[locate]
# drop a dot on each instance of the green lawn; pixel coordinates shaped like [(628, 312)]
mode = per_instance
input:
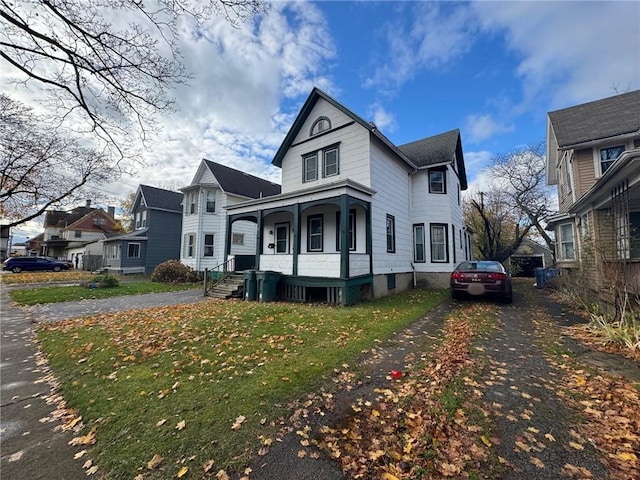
[(54, 294), (136, 376)]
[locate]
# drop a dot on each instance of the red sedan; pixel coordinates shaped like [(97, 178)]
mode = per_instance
[(481, 278)]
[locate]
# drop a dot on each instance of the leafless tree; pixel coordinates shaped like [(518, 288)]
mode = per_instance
[(102, 71), (40, 169), (520, 174)]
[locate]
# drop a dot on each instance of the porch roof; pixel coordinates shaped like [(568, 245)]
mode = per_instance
[(304, 195)]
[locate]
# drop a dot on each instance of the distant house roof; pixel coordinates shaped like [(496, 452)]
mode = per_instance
[(161, 199), (444, 147), (62, 219), (240, 183), (598, 120), (416, 154)]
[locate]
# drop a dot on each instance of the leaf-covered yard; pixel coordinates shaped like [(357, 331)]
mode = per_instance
[(202, 386)]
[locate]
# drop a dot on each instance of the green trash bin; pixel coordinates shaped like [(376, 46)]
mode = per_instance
[(250, 285), (267, 285)]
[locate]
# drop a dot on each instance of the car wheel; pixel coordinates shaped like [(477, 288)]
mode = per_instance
[(57, 268), (455, 295), (16, 269), (508, 298)]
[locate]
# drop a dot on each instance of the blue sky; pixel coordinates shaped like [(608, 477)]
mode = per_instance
[(492, 69)]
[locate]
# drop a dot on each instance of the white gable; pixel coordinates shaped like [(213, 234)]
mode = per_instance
[(322, 108)]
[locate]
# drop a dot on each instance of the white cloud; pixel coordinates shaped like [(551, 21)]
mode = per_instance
[(476, 162), (437, 34), (572, 52), (384, 120), (481, 127)]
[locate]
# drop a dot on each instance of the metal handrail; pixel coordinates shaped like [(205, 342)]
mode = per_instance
[(223, 271)]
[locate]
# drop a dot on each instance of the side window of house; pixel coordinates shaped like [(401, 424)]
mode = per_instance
[(189, 244), (566, 242), (133, 250), (211, 201), (608, 156), (419, 250), (634, 234), (193, 203), (439, 243), (314, 233), (437, 181), (208, 245), (310, 167), (391, 234), (237, 239)]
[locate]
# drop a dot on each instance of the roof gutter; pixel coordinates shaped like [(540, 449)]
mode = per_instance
[(592, 142)]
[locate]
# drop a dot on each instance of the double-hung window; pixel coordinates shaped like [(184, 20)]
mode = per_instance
[(437, 181), (608, 156), (567, 251), (208, 245), (419, 251), (310, 167), (330, 162), (314, 233), (439, 243), (211, 201), (391, 234), (189, 244)]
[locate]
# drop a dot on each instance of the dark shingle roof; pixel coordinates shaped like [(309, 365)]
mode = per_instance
[(60, 218), (241, 183), (597, 120), (161, 199), (441, 148)]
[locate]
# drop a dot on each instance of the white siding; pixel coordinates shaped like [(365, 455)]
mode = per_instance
[(390, 179), (277, 263), (319, 265), (353, 151)]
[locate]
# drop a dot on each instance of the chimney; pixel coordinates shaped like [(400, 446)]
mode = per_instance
[(88, 203), (111, 211)]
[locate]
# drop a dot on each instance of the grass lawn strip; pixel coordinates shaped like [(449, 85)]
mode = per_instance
[(56, 294), (202, 386)]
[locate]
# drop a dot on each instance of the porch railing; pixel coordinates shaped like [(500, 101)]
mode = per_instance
[(218, 274)]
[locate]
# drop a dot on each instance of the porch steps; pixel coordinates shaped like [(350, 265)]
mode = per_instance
[(231, 287)]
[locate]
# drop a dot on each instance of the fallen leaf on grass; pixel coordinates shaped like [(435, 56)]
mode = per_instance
[(154, 462), (549, 437), (161, 422), (208, 465), (628, 457), (238, 423), (88, 439), (182, 472), (575, 445), (181, 425), (222, 475), (92, 470), (537, 462)]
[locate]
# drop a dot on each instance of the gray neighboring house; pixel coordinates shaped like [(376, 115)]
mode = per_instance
[(157, 223)]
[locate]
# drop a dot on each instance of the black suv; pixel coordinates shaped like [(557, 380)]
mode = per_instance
[(18, 264)]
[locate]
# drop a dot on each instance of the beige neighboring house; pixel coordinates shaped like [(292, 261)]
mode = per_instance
[(593, 156)]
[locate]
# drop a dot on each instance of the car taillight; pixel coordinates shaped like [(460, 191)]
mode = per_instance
[(497, 276), (457, 276)]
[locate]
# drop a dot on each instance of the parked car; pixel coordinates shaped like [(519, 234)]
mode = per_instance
[(481, 278), (19, 264)]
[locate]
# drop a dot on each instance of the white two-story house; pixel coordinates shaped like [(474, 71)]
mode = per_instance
[(204, 224), (358, 217)]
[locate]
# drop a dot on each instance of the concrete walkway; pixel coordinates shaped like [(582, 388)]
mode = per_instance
[(32, 443)]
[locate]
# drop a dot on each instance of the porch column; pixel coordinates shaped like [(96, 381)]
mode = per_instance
[(344, 236), (227, 240), (259, 238), (296, 238)]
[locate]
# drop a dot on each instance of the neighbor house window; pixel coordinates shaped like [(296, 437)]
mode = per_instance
[(439, 240), (437, 181), (237, 239), (310, 167), (352, 231), (208, 245), (189, 244), (634, 234), (78, 234), (419, 251), (211, 201), (314, 233), (322, 124), (609, 155), (138, 220), (113, 252), (133, 250), (282, 238), (566, 242), (144, 218), (330, 162), (391, 234)]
